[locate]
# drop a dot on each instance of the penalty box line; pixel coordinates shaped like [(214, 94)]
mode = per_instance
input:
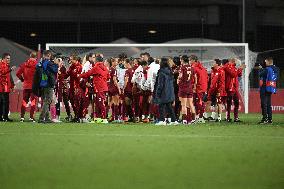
[(146, 135)]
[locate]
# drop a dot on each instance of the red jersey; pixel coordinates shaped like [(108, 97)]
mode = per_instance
[(217, 82), (185, 79), (73, 72), (202, 77), (6, 82), (26, 73), (111, 86), (101, 76), (232, 74), (62, 84), (129, 74)]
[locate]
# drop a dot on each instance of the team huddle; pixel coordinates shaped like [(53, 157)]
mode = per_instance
[(121, 89)]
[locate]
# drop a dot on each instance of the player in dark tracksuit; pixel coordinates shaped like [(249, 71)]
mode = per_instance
[(267, 83)]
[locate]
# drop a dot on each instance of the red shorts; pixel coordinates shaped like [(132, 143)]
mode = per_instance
[(113, 92), (182, 94)]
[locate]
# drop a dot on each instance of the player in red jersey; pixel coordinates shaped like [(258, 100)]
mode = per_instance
[(201, 85), (114, 90), (100, 75), (137, 80), (6, 86), (217, 92), (25, 74), (62, 90), (232, 87), (76, 92), (185, 93), (88, 64), (127, 89)]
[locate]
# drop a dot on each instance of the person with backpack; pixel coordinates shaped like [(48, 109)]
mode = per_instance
[(48, 70), (267, 82)]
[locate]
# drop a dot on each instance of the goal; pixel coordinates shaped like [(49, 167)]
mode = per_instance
[(206, 52)]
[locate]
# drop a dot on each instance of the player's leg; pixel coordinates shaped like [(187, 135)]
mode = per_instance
[(183, 110), (229, 104), (33, 99), (145, 106), (190, 104), (115, 101), (162, 113), (1, 106), (219, 109), (269, 108), (128, 103), (25, 100), (171, 113), (101, 106), (67, 106), (236, 100)]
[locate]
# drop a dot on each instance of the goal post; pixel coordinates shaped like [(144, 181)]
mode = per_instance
[(206, 52)]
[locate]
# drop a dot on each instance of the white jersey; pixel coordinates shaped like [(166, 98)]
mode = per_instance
[(152, 75), (138, 77), (120, 76), (87, 67)]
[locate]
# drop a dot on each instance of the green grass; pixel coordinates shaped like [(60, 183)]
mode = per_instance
[(142, 155)]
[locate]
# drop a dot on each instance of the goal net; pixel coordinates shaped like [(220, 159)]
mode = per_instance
[(206, 53)]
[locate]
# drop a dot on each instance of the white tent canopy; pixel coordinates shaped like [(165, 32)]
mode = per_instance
[(114, 51)]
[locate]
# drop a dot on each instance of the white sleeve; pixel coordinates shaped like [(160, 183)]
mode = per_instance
[(136, 75), (86, 67)]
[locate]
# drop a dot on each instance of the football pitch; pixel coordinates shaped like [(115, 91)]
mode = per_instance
[(134, 156)]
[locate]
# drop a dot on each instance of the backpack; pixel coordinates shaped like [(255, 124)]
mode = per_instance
[(44, 74)]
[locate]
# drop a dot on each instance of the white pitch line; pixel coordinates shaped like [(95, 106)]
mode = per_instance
[(150, 135)]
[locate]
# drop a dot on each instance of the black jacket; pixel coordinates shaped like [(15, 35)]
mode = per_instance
[(164, 87)]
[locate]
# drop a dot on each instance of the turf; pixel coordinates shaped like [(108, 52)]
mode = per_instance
[(212, 155)]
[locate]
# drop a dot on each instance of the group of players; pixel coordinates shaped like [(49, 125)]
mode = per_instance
[(121, 89)]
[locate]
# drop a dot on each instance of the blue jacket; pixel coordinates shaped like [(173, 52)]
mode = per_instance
[(268, 78), (50, 69), (164, 87)]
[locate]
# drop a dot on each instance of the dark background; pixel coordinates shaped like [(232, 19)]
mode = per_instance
[(103, 21)]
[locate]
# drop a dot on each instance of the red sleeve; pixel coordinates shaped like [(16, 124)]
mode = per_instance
[(89, 73)]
